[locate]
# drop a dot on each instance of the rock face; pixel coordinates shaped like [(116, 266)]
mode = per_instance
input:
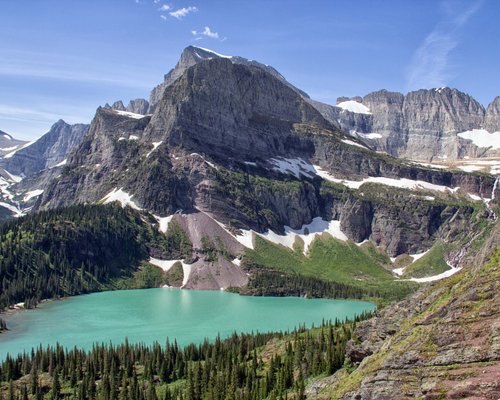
[(213, 144), (48, 151), (8, 144), (443, 342), (422, 125), (138, 106), (193, 55), (492, 119)]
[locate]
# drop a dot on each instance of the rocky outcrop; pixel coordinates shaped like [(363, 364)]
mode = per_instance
[(48, 151), (8, 144), (441, 342), (492, 119), (421, 125), (193, 55), (138, 106)]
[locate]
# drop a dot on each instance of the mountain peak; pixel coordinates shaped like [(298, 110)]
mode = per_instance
[(204, 53)]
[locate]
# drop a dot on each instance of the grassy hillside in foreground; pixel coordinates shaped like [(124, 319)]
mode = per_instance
[(330, 260)]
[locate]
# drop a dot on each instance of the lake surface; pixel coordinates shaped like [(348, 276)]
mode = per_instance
[(155, 314)]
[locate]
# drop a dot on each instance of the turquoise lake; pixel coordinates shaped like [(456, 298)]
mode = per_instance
[(155, 314)]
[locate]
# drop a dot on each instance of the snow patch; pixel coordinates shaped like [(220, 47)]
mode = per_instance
[(399, 271), (293, 166), (204, 159), (17, 212), (14, 178), (470, 168), (155, 145), (253, 164), (129, 114), (165, 265), (474, 196), (163, 222), (402, 183), (354, 106), (350, 142), (369, 135), (418, 256), (63, 162), (186, 270), (124, 198), (307, 233), (482, 138), (9, 155), (9, 148), (211, 51), (237, 261), (438, 277), (32, 193)]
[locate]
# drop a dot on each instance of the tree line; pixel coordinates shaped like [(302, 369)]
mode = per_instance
[(243, 367)]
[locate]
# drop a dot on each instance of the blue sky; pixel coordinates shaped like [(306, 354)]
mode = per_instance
[(62, 59)]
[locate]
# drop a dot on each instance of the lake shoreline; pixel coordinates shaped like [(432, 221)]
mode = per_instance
[(155, 314)]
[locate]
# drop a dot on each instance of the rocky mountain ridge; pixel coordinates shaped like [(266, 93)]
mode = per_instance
[(425, 125), (250, 153)]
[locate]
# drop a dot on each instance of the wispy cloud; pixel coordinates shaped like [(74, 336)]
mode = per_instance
[(163, 17), (182, 12), (430, 63), (58, 67), (206, 32), (164, 7)]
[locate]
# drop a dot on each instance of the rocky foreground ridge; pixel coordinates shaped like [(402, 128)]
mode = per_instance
[(441, 343)]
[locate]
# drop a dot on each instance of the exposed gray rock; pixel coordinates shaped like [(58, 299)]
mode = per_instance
[(492, 120), (118, 105), (218, 115), (422, 126), (138, 106), (51, 149), (9, 144), (193, 55)]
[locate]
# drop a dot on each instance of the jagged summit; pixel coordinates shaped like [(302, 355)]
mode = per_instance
[(192, 55)]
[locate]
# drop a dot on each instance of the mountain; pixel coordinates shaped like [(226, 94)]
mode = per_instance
[(46, 152), (426, 125), (193, 55), (27, 168), (9, 144), (232, 153)]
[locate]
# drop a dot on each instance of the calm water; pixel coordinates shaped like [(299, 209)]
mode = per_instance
[(155, 314)]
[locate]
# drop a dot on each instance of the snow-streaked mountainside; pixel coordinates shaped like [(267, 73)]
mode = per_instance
[(231, 139), (230, 178), (228, 145)]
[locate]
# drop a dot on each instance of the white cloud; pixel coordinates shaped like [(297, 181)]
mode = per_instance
[(164, 7), (163, 17), (156, 1), (206, 32), (182, 12), (430, 64)]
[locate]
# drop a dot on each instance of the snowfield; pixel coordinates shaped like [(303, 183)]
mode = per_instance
[(354, 106), (482, 138), (119, 195)]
